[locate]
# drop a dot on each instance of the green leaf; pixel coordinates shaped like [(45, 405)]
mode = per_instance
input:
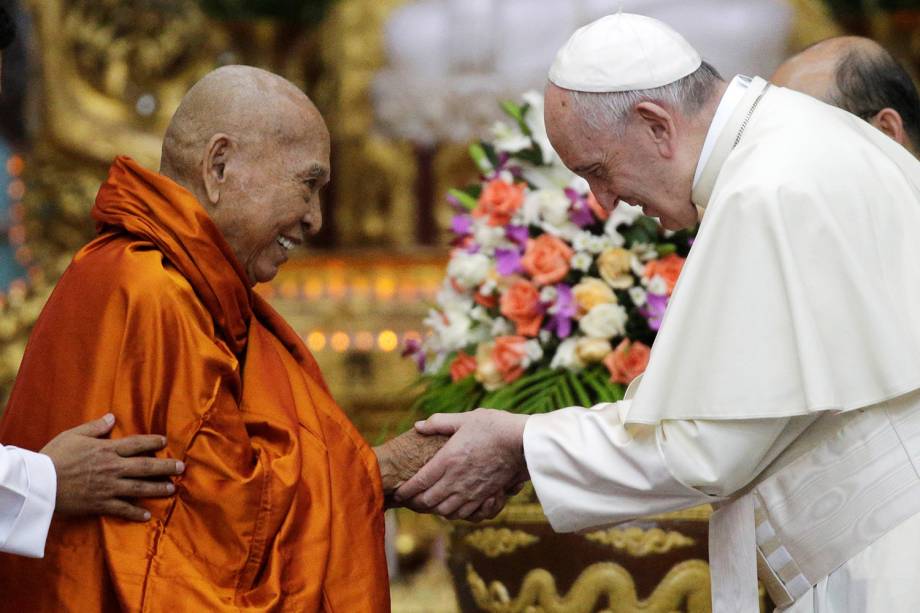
[(480, 157), (467, 201), (665, 249), (513, 110)]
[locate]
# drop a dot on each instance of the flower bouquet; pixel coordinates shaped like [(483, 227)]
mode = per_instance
[(548, 301)]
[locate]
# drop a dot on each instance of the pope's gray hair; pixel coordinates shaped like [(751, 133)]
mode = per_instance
[(605, 110)]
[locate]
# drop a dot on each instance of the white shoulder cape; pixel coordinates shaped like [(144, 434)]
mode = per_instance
[(802, 290)]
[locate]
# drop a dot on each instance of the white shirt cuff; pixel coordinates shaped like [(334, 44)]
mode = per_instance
[(30, 528)]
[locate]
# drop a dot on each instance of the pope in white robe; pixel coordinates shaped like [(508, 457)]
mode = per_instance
[(784, 384)]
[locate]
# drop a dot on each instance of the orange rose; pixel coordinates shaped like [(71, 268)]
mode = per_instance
[(499, 201), (508, 354), (668, 268), (521, 304), (599, 211), (462, 367), (627, 361), (546, 259)]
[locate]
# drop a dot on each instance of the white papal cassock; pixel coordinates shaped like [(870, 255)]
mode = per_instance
[(28, 486), (784, 384)]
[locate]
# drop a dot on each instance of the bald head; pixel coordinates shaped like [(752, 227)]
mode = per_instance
[(253, 106), (254, 151), (860, 76)]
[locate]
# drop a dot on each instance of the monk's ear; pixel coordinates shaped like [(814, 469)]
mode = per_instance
[(656, 124), (889, 121), (214, 165)]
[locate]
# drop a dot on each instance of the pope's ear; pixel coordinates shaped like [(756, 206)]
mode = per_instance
[(658, 125), (214, 165), (889, 121)]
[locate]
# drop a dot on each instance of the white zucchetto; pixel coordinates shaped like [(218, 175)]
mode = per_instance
[(623, 52)]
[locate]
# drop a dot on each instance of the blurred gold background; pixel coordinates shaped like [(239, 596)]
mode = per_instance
[(89, 79)]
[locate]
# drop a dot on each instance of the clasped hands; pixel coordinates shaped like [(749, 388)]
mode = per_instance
[(459, 465)]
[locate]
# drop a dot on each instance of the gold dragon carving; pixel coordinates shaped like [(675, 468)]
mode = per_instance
[(494, 542), (640, 543), (685, 587)]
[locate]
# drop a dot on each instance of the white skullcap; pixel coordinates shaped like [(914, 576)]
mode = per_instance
[(623, 52)]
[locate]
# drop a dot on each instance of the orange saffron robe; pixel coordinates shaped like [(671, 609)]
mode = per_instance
[(280, 507)]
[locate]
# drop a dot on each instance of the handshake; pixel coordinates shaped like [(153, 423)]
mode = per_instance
[(459, 465)]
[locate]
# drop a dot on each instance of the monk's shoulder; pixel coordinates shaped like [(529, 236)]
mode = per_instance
[(137, 274)]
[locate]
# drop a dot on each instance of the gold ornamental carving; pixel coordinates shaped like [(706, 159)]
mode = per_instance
[(494, 542), (685, 587), (640, 543)]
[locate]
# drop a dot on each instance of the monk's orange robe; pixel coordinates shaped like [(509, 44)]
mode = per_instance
[(280, 506)]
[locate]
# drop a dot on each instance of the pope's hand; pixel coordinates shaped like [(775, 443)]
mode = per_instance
[(401, 457), (481, 464), (95, 475)]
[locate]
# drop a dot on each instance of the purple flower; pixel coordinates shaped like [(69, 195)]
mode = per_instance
[(562, 312), (461, 225), (508, 261), (517, 234), (653, 311), (580, 213), (413, 348)]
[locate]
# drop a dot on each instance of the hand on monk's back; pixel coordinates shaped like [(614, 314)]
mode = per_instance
[(95, 475)]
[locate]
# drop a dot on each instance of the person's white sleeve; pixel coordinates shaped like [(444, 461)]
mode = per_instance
[(590, 469), (28, 487)]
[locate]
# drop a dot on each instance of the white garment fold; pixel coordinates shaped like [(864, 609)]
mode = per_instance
[(28, 487)]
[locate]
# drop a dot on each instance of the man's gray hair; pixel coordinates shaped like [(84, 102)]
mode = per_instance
[(605, 110)]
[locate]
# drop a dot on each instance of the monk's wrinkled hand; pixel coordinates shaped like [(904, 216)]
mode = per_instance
[(479, 467), (95, 475), (401, 457)]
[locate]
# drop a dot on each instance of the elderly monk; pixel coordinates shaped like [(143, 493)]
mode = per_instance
[(281, 503), (862, 77), (784, 384)]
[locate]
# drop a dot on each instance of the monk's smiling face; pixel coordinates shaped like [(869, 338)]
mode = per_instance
[(270, 198), (255, 152)]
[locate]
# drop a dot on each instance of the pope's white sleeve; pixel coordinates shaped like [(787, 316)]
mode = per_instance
[(590, 469), (28, 487)]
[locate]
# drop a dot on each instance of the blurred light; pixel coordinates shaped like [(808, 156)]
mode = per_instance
[(337, 288), (407, 289), (387, 340), (316, 341), (364, 341), (146, 105), (313, 288), (360, 288), (289, 289), (15, 165), (16, 190), (17, 235), (385, 287), (339, 342)]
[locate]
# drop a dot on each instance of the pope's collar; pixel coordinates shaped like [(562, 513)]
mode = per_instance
[(729, 121)]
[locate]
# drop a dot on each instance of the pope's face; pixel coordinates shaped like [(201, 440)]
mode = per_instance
[(271, 202), (632, 167)]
